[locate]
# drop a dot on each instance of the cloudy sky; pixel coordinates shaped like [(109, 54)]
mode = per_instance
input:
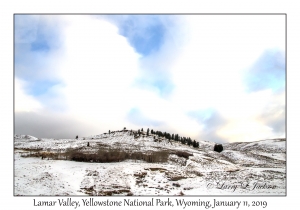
[(219, 78)]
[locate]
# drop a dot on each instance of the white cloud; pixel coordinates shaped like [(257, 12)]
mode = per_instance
[(209, 71), (221, 47), (23, 101), (98, 67)]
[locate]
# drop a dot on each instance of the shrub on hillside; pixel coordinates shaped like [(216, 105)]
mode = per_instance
[(218, 147), (183, 154), (116, 155)]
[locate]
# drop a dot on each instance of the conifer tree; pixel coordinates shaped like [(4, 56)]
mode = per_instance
[(195, 144), (189, 141)]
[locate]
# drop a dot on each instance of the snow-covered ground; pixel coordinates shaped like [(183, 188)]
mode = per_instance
[(255, 168)]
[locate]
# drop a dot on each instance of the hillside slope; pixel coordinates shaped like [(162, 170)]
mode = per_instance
[(146, 165)]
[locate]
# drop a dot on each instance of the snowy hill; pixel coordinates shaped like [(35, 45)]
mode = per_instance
[(121, 163)]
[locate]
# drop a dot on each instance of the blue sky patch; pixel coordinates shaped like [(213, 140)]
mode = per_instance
[(136, 117), (40, 87), (35, 39), (212, 121), (40, 45), (202, 115), (148, 42), (208, 117), (267, 73), (163, 85), (145, 33)]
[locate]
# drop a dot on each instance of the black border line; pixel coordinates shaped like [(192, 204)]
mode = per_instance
[(142, 196)]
